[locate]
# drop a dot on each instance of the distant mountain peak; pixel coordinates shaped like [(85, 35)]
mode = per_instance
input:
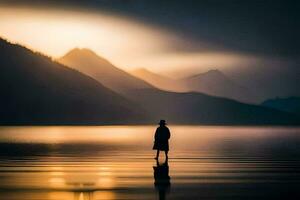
[(85, 54), (93, 65), (211, 73), (215, 82), (81, 52)]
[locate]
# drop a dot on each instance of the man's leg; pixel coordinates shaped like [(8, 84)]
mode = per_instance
[(157, 154)]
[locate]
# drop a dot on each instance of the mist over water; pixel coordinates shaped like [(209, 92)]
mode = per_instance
[(116, 162)]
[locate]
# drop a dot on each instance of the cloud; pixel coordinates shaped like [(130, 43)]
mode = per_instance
[(161, 35)]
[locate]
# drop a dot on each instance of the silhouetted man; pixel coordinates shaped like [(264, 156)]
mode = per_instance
[(162, 136)]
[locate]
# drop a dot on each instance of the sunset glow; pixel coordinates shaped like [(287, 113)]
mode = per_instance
[(56, 32), (125, 42)]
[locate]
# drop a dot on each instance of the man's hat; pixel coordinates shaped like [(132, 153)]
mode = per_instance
[(162, 122)]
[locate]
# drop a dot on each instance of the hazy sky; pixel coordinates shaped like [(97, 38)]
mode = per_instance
[(159, 35)]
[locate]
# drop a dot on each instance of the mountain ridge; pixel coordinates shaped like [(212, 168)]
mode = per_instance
[(212, 82), (37, 90), (91, 64), (216, 83), (159, 81), (193, 108)]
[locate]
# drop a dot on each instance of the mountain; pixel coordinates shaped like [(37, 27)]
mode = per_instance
[(215, 83), (37, 90), (89, 63), (178, 108), (198, 108), (290, 104), (159, 81)]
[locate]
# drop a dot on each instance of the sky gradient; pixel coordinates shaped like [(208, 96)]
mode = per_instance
[(160, 35)]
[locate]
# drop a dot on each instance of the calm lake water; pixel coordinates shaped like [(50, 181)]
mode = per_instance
[(116, 162)]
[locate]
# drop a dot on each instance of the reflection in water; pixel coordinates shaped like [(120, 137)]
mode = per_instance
[(162, 179), (83, 196), (93, 195)]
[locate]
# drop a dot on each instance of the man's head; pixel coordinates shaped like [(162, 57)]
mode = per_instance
[(162, 122)]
